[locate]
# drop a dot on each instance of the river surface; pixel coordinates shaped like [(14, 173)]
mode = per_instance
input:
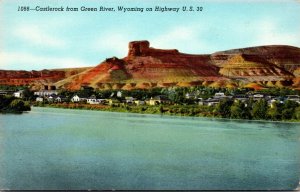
[(50, 148)]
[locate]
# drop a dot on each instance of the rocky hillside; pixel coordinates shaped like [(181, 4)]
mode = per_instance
[(36, 79), (240, 66), (147, 67), (287, 57)]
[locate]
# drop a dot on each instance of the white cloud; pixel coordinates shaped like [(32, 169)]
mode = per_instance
[(28, 61), (34, 35)]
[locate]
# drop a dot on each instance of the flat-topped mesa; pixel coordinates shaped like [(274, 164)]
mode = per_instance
[(142, 48)]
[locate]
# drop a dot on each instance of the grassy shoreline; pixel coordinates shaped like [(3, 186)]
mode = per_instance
[(171, 110)]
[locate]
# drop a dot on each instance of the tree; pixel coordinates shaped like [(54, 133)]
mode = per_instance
[(274, 112), (28, 94), (86, 91), (19, 105), (236, 110), (240, 110), (297, 113), (288, 109), (5, 101), (223, 108), (259, 110)]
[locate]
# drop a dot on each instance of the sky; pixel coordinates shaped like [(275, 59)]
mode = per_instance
[(36, 40)]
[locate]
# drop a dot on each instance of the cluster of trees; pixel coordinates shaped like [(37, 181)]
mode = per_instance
[(12, 104), (258, 110), (11, 87)]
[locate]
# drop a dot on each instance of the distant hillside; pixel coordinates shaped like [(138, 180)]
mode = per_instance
[(287, 57), (146, 67), (36, 79)]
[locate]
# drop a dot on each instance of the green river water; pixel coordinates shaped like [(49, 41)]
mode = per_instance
[(50, 148)]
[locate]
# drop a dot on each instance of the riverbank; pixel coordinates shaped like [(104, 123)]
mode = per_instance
[(173, 110)]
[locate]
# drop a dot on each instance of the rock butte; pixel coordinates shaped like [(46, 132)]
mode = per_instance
[(145, 67)]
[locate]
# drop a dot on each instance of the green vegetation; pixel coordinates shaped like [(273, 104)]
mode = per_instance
[(183, 101), (258, 110), (238, 110), (9, 104)]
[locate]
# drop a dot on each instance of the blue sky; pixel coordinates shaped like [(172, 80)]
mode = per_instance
[(44, 40)]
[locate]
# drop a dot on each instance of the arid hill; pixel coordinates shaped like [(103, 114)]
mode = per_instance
[(146, 67), (36, 79), (287, 57)]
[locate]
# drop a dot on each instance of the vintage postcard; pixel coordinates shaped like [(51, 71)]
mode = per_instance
[(149, 95)]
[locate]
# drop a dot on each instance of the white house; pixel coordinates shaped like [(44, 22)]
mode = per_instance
[(119, 94), (75, 98), (92, 101), (295, 98), (221, 95), (45, 93), (159, 99), (192, 95), (258, 96), (39, 99), (129, 99), (58, 99), (218, 95), (19, 94)]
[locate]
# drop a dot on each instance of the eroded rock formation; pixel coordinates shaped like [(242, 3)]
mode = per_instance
[(146, 67), (36, 79)]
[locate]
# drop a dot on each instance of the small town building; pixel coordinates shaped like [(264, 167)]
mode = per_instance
[(59, 99), (147, 101), (76, 99), (92, 100), (295, 98), (257, 96), (139, 102), (19, 94), (242, 98), (119, 94), (39, 99), (51, 98), (6, 92), (129, 100), (192, 95), (113, 101), (219, 95), (159, 99), (212, 101), (45, 93)]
